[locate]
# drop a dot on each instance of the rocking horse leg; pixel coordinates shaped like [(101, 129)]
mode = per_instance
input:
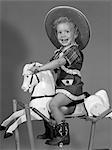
[(13, 127), (11, 118)]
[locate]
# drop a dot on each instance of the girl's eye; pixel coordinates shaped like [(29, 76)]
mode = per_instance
[(59, 32), (67, 31)]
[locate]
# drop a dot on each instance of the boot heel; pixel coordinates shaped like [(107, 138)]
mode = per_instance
[(65, 140), (60, 144)]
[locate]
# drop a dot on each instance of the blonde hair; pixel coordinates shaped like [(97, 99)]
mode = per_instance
[(65, 20)]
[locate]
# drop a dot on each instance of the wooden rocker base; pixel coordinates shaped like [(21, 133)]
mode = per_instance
[(93, 124), (93, 121)]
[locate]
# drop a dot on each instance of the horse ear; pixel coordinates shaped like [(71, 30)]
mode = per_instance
[(38, 64), (26, 68)]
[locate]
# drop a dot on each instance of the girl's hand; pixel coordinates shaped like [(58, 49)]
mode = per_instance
[(34, 69), (86, 94)]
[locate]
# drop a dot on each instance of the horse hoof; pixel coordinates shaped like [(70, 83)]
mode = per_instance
[(2, 128), (7, 134)]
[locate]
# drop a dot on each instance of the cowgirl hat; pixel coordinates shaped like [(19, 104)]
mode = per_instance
[(76, 16)]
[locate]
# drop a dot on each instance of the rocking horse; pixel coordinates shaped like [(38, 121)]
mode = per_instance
[(42, 89)]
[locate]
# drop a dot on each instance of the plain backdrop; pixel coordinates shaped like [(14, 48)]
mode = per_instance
[(23, 40)]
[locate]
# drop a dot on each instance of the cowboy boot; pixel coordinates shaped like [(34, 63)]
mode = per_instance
[(49, 132), (62, 135)]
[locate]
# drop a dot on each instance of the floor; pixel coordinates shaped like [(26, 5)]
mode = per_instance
[(79, 135)]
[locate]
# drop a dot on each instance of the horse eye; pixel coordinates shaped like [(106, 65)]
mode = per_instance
[(27, 76)]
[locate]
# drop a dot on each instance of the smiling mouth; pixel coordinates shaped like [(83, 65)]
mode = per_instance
[(64, 40)]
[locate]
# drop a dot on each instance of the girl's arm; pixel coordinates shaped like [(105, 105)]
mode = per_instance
[(50, 65)]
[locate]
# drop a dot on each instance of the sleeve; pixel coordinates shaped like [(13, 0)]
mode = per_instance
[(70, 55), (56, 55)]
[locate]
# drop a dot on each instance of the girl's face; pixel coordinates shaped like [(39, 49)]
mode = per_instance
[(65, 34)]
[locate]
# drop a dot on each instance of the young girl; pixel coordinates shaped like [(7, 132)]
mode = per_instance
[(68, 30)]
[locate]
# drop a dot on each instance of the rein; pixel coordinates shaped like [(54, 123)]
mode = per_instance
[(32, 80), (34, 97)]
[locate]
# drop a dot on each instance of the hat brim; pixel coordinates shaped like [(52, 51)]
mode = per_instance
[(76, 16)]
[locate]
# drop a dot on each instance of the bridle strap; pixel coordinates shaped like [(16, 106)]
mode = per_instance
[(32, 80), (37, 77), (34, 97)]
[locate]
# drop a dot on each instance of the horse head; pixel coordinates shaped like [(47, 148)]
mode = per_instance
[(39, 83), (30, 80)]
